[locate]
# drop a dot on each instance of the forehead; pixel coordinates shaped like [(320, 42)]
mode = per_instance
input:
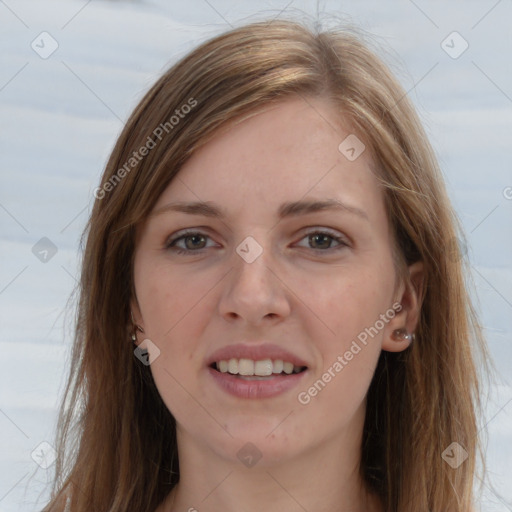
[(285, 152)]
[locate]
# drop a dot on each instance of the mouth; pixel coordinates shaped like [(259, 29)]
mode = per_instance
[(256, 371), (249, 369)]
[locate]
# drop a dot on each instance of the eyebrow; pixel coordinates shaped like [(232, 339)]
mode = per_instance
[(288, 209)]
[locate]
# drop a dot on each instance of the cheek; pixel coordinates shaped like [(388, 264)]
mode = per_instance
[(348, 340), (346, 300), (174, 317), (176, 308), (347, 330), (169, 298)]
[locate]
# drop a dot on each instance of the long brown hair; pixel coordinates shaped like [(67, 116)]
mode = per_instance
[(116, 439)]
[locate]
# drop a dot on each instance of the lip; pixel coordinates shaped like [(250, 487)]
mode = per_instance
[(274, 385), (255, 388), (254, 352)]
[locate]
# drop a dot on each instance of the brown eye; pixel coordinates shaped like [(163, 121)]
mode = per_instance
[(323, 241), (195, 241), (188, 242)]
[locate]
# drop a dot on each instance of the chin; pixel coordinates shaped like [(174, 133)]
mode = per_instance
[(264, 441)]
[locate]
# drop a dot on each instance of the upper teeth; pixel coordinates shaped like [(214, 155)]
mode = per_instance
[(262, 368)]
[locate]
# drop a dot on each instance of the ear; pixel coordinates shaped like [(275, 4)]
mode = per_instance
[(136, 319), (409, 296)]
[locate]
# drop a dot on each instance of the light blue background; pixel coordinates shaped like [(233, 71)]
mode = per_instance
[(60, 117)]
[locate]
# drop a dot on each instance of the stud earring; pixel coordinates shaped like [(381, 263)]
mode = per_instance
[(402, 335), (136, 328)]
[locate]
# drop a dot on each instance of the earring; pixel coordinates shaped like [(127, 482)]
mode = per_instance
[(135, 328), (402, 335), (134, 332)]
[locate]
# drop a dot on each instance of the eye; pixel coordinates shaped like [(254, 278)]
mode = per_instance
[(190, 242), (193, 241), (324, 239)]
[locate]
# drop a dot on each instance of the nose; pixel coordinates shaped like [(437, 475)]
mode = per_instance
[(254, 291)]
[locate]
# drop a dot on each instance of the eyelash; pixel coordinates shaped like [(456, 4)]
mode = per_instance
[(169, 245)]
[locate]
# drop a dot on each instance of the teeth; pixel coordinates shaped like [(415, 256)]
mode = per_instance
[(278, 366), (232, 366), (262, 368), (246, 367), (287, 367)]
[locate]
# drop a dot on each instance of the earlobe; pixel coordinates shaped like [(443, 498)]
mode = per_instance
[(135, 325), (399, 333)]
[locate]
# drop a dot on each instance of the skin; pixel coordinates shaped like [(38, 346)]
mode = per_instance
[(311, 296)]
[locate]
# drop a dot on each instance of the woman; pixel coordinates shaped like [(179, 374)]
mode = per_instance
[(269, 318)]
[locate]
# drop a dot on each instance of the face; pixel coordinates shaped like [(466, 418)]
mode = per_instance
[(316, 284)]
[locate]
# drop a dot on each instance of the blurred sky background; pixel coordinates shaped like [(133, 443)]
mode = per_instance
[(72, 71)]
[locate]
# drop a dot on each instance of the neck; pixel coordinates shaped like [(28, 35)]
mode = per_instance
[(325, 479)]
